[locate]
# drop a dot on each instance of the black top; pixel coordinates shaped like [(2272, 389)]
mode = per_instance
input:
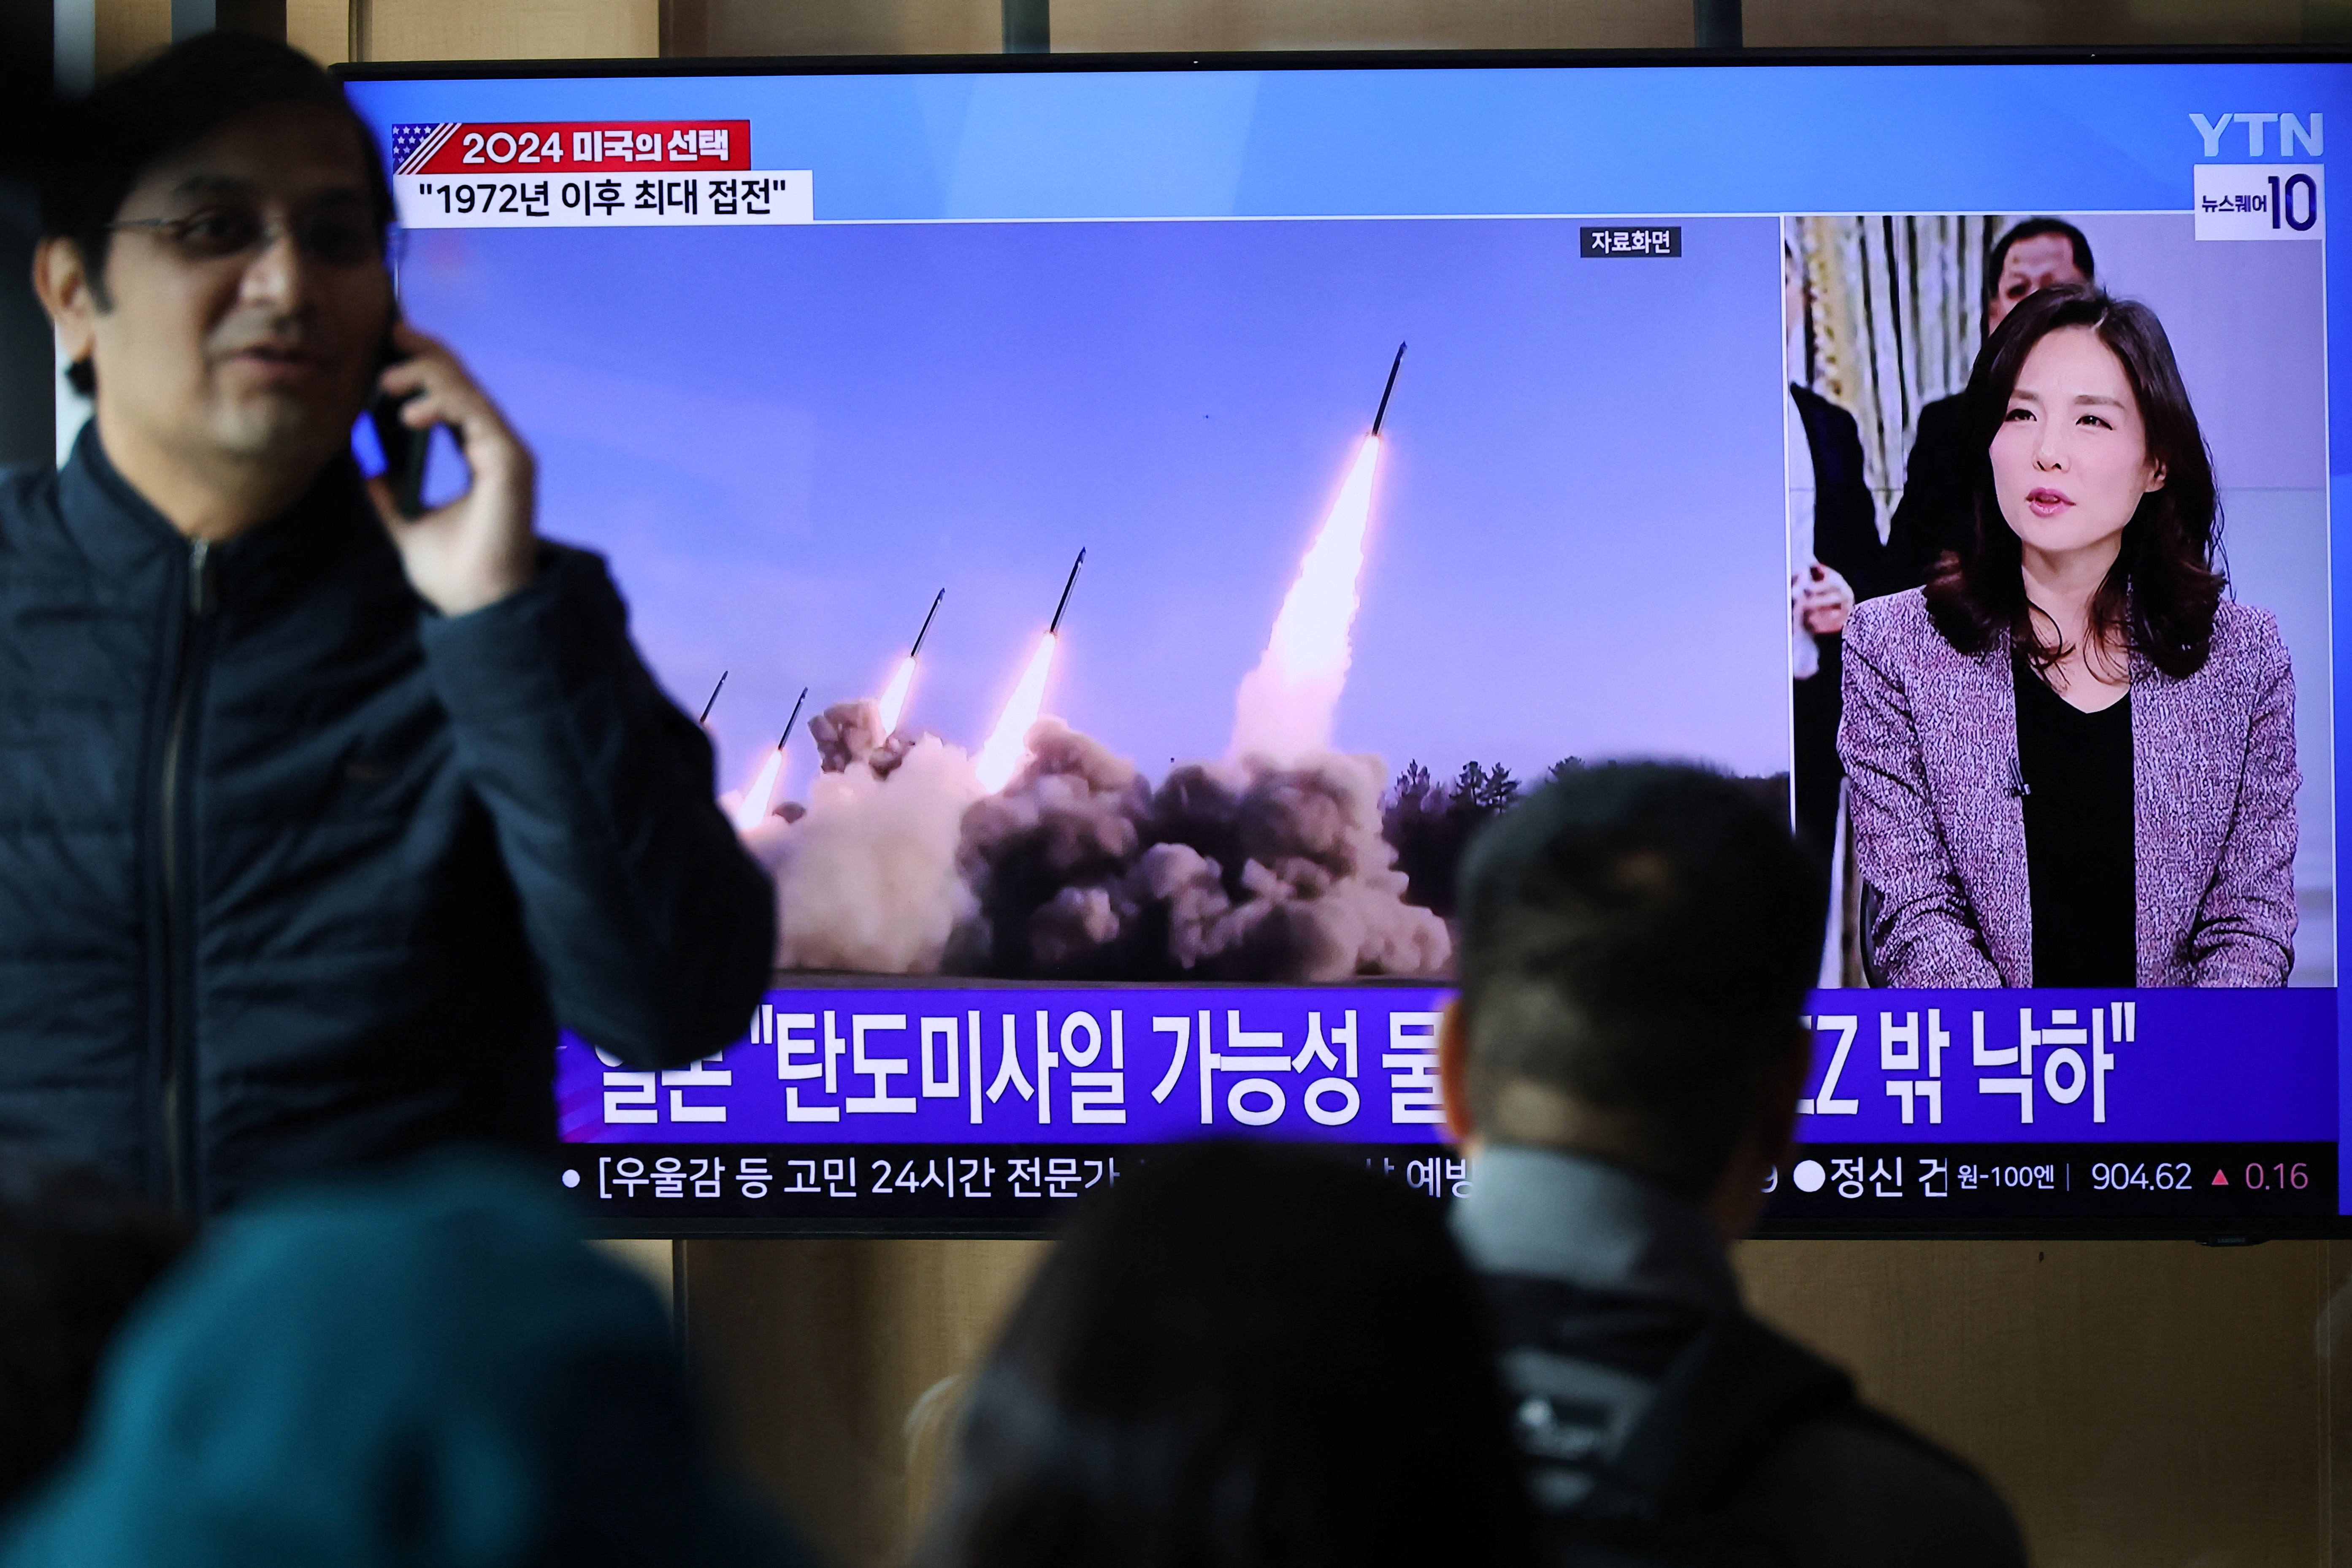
[(1660, 1423), (2077, 770)]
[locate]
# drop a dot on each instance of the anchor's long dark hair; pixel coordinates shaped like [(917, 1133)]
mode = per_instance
[(2161, 593)]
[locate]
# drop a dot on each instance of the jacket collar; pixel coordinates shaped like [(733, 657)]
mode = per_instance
[(110, 523), (119, 531), (1571, 1218)]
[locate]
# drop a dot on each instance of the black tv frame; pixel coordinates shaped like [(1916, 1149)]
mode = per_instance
[(1323, 59)]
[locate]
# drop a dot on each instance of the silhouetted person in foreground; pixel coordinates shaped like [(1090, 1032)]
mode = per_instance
[(320, 817), (427, 1369), (1623, 1067), (1243, 1357), (77, 1254)]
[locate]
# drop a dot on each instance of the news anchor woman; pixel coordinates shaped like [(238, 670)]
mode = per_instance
[(2072, 758)]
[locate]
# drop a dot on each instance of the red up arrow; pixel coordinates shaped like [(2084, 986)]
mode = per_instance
[(2220, 1180)]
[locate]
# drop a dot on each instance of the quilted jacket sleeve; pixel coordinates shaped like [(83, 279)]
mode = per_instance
[(656, 932)]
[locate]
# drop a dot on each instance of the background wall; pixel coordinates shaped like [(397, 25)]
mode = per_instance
[(2157, 1404), (2141, 1404), (335, 30)]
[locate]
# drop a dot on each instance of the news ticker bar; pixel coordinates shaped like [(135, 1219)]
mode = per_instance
[(883, 1184), (2221, 1182)]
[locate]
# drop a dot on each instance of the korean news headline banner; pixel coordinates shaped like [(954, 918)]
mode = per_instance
[(589, 173), (1358, 1065)]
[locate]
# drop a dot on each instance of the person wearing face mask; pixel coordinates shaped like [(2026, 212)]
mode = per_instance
[(2072, 759), (1933, 514), (320, 817)]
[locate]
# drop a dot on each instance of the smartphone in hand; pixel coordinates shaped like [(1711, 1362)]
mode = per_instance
[(403, 449)]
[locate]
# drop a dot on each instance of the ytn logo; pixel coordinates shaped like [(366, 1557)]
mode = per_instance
[(2291, 130)]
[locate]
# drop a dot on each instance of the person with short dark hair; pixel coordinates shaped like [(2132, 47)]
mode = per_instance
[(1935, 514), (1240, 1356), (2072, 758), (321, 818), (76, 1253), (424, 1366), (1622, 1065)]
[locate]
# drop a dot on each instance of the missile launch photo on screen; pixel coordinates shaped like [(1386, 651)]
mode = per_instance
[(1534, 551)]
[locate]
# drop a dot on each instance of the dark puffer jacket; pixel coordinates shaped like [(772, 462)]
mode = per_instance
[(297, 873)]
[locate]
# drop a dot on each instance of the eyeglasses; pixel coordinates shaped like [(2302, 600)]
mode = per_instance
[(336, 236)]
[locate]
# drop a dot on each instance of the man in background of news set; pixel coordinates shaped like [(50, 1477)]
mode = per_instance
[(317, 819), (1623, 1067)]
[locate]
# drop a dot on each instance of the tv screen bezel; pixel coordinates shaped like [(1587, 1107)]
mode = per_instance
[(2249, 1231)]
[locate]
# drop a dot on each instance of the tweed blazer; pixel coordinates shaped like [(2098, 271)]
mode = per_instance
[(1929, 739)]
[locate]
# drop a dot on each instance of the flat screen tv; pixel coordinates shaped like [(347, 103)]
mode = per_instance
[(1126, 521)]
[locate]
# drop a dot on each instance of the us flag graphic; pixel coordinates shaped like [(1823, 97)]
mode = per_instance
[(413, 145)]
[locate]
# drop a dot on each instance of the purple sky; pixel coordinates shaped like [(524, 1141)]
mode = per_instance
[(787, 439)]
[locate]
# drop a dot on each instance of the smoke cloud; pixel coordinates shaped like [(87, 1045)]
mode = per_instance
[(1233, 871), (1080, 869), (1049, 856), (852, 735), (867, 879)]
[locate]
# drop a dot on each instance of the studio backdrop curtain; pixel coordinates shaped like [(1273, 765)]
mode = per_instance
[(1893, 322)]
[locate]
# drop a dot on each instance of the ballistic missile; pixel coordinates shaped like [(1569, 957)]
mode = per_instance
[(893, 704), (1394, 365), (1056, 624), (926, 631), (714, 698), (794, 720)]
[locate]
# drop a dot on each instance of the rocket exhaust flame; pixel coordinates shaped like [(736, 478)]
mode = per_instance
[(1285, 708), (894, 696), (753, 809), (1008, 743)]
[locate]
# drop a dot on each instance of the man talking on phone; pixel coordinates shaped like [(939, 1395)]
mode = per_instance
[(317, 820)]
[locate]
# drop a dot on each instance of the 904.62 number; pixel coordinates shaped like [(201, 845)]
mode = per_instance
[(2122, 1177)]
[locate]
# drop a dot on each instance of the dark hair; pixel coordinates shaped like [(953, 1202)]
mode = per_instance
[(1641, 936), (101, 145), (76, 1254), (1242, 1356), (1997, 254), (2161, 592)]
